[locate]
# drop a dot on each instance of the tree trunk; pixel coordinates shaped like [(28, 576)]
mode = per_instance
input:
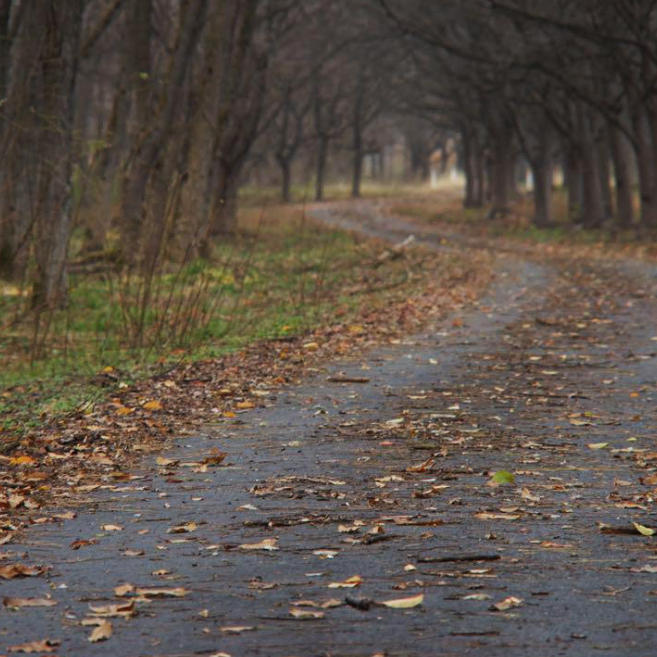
[(542, 168), (322, 156), (55, 85), (502, 169), (593, 212), (357, 171), (573, 173), (604, 167), (285, 165), (645, 166), (622, 164)]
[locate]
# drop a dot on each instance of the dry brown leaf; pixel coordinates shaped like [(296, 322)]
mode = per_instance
[(237, 629), (28, 602), (161, 592), (496, 516), (506, 604), (165, 462), (133, 553), (45, 645), (425, 466), (101, 633), (13, 570), (121, 610), (183, 529), (153, 405), (124, 589), (216, 458)]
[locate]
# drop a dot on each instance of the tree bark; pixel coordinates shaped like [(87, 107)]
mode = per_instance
[(645, 166), (322, 157), (622, 164), (61, 25)]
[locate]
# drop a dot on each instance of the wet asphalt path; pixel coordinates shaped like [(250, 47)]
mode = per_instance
[(389, 481)]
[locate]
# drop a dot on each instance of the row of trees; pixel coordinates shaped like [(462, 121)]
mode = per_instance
[(130, 123), (569, 84)]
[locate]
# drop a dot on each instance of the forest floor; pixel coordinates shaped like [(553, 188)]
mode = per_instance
[(483, 485)]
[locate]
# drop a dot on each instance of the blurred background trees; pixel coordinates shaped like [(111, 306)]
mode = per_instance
[(128, 127)]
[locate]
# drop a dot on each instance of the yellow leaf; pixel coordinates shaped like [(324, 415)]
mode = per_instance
[(108, 369), (101, 633), (598, 445), (163, 461), (404, 603), (124, 410), (230, 414), (22, 460), (311, 346), (153, 405), (268, 544), (349, 583), (643, 530), (244, 405)]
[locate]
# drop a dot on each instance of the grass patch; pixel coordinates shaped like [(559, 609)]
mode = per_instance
[(279, 277)]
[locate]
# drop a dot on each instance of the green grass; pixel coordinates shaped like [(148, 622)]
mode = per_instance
[(277, 278)]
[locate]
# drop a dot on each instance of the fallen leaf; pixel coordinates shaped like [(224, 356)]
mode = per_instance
[(153, 405), (648, 568), (404, 603), (425, 466), (119, 610), (101, 633), (502, 477), (216, 458), (237, 629), (598, 445), (124, 589), (21, 570), (484, 515), (306, 614), (22, 460), (160, 592), (643, 530), (581, 423), (477, 596), (506, 604), (267, 544), (82, 542), (28, 602), (45, 645), (349, 583), (112, 528), (183, 529), (165, 462), (326, 554), (526, 494)]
